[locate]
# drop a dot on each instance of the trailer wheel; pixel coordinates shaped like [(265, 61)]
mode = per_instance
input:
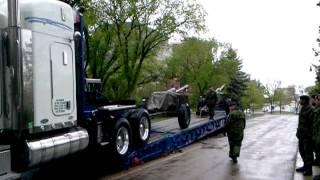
[(121, 143), (142, 130), (184, 116)]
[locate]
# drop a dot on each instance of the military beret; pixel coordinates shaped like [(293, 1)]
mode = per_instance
[(305, 97)]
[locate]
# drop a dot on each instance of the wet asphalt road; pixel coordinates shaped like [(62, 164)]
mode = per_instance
[(268, 153)]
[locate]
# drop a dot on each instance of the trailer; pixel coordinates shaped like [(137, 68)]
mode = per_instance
[(166, 138)]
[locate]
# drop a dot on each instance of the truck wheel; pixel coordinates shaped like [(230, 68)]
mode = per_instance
[(184, 116), (122, 136), (142, 131)]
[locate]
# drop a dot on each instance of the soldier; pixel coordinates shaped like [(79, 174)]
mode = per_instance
[(211, 100), (313, 100), (304, 135), (316, 133), (316, 130), (234, 128)]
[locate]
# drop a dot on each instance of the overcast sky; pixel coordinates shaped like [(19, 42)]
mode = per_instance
[(274, 38)]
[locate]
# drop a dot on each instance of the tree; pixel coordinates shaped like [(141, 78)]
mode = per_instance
[(293, 96), (152, 74), (136, 29), (239, 79), (281, 97), (270, 93), (72, 3), (254, 96), (316, 88), (192, 63), (195, 62)]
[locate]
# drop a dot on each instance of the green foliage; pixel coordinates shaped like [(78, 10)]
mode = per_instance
[(281, 97), (313, 90), (153, 72), (72, 3), (253, 96), (192, 63), (195, 62), (238, 78), (125, 34), (125, 38), (316, 89), (271, 91)]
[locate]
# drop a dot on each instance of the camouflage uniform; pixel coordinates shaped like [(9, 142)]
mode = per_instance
[(211, 100), (304, 134), (235, 127), (316, 132)]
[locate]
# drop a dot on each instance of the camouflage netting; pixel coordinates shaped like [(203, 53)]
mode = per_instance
[(163, 101)]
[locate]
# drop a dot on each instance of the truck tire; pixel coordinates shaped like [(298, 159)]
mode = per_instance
[(142, 129), (184, 116), (121, 139)]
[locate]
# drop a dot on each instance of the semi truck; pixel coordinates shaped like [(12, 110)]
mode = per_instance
[(49, 109)]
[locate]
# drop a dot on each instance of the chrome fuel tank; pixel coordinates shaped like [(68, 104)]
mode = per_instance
[(37, 151)]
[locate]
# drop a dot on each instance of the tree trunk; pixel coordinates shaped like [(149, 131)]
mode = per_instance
[(252, 109)]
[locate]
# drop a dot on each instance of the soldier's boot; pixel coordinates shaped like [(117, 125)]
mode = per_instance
[(300, 169), (234, 159), (307, 171)]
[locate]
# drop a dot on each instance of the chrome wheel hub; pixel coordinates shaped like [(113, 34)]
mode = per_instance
[(144, 128), (122, 141)]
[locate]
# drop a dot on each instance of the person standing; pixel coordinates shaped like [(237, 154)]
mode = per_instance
[(304, 135), (211, 101), (316, 133), (313, 100), (316, 130), (235, 130)]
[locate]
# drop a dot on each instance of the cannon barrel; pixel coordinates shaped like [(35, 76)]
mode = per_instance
[(182, 88)]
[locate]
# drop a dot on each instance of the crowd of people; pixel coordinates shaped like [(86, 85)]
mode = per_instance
[(308, 131), (308, 134)]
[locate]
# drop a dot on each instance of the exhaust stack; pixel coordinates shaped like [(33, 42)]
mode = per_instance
[(14, 13), (18, 72)]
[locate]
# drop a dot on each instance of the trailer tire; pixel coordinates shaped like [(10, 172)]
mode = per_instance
[(121, 139), (142, 130), (184, 116)]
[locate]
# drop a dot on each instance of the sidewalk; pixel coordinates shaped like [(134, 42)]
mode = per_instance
[(299, 176)]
